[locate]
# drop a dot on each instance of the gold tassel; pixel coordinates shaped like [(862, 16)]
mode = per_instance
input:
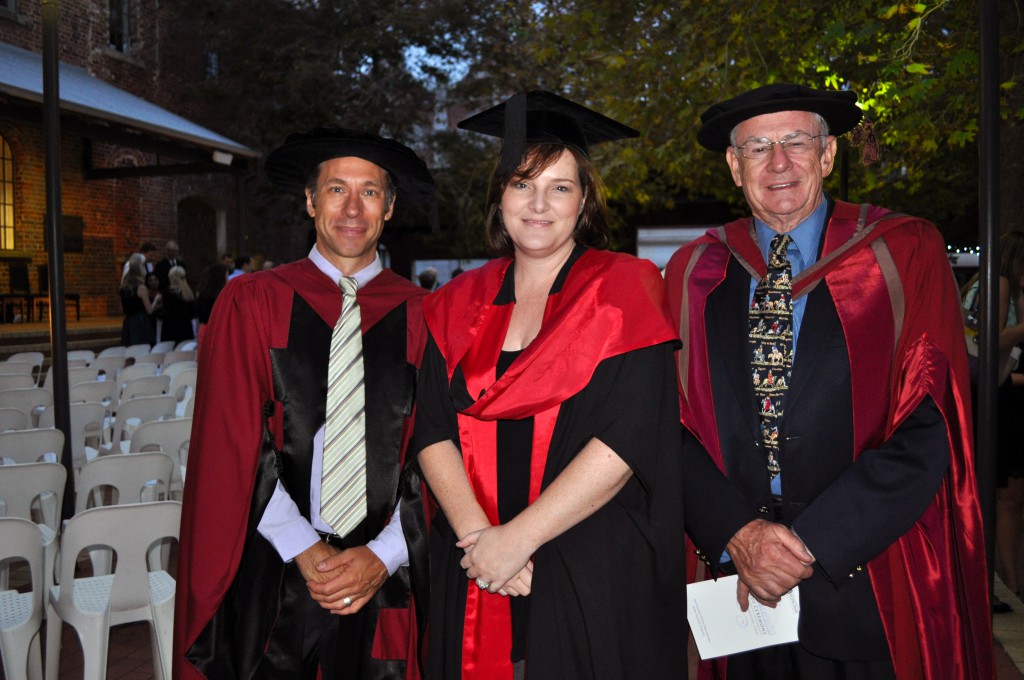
[(864, 137)]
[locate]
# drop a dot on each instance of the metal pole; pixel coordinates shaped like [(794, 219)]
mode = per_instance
[(988, 221), (55, 241), (844, 171)]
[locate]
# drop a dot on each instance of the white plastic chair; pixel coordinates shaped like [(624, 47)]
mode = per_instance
[(76, 374), (32, 446), (86, 355), (133, 413), (124, 479), (174, 357), (29, 400), (102, 391), (34, 358), (183, 387), (86, 424), (12, 419), (135, 371), (170, 437), (115, 351), (16, 381), (133, 351), (150, 358), (163, 347), (16, 368), (171, 370), (108, 367), (146, 386), (21, 613), (98, 391), (35, 491), (187, 346), (91, 605)]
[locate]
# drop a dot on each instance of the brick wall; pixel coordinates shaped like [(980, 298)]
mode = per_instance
[(118, 214)]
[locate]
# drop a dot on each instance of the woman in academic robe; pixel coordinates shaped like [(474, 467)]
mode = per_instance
[(548, 431)]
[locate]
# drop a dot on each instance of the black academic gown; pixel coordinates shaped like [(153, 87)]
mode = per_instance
[(607, 598), (241, 611)]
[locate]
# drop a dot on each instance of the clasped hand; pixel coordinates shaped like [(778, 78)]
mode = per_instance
[(342, 581), (770, 560), (498, 557)]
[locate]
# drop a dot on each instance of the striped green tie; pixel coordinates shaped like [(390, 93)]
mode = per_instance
[(343, 484)]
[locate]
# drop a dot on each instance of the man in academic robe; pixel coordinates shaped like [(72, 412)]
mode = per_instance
[(858, 486), (266, 587)]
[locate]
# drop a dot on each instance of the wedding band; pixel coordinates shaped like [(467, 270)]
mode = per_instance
[(346, 600), (482, 584)]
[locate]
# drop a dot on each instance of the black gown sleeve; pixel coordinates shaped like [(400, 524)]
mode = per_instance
[(879, 497), (715, 508), (436, 420), (639, 399)]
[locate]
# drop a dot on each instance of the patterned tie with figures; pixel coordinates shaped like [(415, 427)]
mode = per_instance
[(343, 482), (771, 346)]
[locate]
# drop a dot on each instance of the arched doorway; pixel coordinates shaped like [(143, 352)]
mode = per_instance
[(197, 235)]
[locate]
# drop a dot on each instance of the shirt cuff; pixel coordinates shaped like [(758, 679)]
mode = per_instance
[(284, 526), (389, 545)]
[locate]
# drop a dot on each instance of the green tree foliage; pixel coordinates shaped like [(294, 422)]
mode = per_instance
[(285, 65), (658, 65), (259, 69)]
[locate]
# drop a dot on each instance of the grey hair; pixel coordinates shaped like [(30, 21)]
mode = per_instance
[(390, 185), (818, 118)]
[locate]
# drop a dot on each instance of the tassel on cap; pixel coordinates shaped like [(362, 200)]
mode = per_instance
[(863, 136)]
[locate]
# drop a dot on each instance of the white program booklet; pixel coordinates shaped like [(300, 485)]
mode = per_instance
[(720, 628)]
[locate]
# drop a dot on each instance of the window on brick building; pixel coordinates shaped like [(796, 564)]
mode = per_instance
[(6, 196), (121, 25)]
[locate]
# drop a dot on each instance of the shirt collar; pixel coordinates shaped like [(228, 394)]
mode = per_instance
[(362, 277), (806, 235)]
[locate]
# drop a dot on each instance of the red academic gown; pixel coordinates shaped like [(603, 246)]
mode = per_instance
[(259, 401), (888, 288), (607, 598)]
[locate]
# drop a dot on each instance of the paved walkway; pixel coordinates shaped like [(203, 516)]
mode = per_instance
[(130, 656)]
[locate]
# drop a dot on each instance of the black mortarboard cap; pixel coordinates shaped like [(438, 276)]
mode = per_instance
[(541, 117), (289, 165), (838, 108)]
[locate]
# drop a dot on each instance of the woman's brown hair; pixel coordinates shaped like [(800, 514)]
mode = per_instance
[(592, 224)]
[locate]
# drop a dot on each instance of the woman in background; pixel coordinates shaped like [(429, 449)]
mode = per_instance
[(179, 307), (1010, 400), (138, 304)]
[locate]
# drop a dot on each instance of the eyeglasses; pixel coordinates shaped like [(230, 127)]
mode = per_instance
[(795, 144)]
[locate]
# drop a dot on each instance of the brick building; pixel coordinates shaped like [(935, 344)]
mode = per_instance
[(131, 170)]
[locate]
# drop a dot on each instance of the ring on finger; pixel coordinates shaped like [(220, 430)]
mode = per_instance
[(347, 601), (482, 584)]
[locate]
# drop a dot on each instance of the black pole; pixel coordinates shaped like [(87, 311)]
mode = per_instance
[(988, 222), (844, 171), (55, 242)]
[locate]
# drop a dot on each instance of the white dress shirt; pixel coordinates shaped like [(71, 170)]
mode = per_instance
[(283, 525)]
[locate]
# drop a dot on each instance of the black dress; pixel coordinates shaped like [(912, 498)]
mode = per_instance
[(178, 315), (137, 327)]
